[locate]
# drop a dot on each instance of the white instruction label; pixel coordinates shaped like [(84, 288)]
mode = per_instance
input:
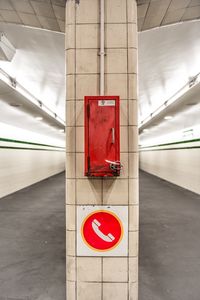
[(106, 103)]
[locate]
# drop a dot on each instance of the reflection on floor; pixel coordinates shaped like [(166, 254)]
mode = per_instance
[(169, 241), (32, 242)]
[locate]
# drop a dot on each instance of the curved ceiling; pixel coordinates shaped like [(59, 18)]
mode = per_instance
[(47, 14), (50, 14), (168, 58), (38, 66), (156, 13)]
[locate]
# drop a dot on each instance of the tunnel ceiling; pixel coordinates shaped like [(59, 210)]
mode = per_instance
[(165, 66), (50, 14), (38, 66)]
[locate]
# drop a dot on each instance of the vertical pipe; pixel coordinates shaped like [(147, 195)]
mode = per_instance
[(102, 48)]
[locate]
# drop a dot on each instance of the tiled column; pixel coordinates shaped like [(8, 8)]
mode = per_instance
[(101, 278)]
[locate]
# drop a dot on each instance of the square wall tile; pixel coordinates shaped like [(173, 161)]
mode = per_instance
[(133, 269), (71, 268), (70, 191), (80, 163), (132, 35), (133, 165), (142, 9), (70, 57), (70, 139), (173, 16), (133, 291), (87, 85), (133, 138), (132, 61), (191, 13), (59, 12), (89, 268), (70, 12), (71, 290), (87, 36), (89, 191), (132, 11), (70, 87), (70, 37), (80, 113), (70, 217), (70, 243), (4, 4), (116, 291), (87, 61), (115, 192), (133, 217), (116, 84), (115, 269), (124, 138), (133, 112), (116, 61), (115, 36), (30, 20), (49, 23), (133, 191), (70, 165), (124, 112), (133, 243), (124, 162), (61, 25), (10, 16), (132, 89), (115, 11), (43, 9), (80, 139), (88, 291), (70, 113), (82, 15)]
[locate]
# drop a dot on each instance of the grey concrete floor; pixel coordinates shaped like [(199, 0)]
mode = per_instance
[(32, 242), (169, 241)]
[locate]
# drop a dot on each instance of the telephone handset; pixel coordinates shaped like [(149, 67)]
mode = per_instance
[(107, 238)]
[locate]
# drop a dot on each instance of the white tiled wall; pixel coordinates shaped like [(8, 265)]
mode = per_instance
[(21, 168), (181, 167)]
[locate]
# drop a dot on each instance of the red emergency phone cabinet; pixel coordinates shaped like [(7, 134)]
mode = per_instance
[(102, 136)]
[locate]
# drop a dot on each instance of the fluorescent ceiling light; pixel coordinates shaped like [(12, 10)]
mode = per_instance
[(39, 118), (168, 117), (20, 89), (7, 50), (172, 99)]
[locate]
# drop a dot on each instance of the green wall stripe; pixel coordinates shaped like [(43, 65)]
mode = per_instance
[(173, 143), (166, 149), (29, 143), (37, 149)]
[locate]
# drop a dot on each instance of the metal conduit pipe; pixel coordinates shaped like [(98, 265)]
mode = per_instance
[(102, 47)]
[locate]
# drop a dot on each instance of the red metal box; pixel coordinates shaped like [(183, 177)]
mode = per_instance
[(102, 136)]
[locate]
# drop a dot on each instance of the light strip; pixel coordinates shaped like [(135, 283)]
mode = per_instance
[(192, 82), (20, 89)]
